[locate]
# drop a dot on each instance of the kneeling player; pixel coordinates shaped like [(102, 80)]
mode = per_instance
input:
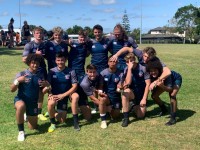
[(63, 82), (28, 84)]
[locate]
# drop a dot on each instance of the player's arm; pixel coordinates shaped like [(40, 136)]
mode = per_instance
[(94, 99), (67, 93), (146, 93), (121, 51), (128, 78), (17, 81)]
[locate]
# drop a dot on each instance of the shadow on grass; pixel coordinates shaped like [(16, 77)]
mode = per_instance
[(6, 51), (184, 114)]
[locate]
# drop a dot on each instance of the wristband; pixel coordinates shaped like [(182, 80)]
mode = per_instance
[(100, 91), (16, 82)]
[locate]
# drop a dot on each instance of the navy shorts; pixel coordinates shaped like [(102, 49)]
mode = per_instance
[(138, 92), (116, 103), (62, 104), (83, 99), (31, 106)]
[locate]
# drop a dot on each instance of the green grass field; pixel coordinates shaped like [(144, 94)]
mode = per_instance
[(147, 134)]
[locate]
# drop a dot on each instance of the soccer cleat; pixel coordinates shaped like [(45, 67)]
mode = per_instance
[(76, 127), (125, 122), (94, 111), (171, 122), (103, 124), (21, 136), (46, 114), (52, 128), (42, 117)]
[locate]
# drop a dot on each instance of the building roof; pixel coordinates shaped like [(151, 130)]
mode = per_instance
[(147, 36), (158, 29)]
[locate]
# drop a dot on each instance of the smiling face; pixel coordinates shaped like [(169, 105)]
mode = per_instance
[(38, 35), (98, 34), (92, 74), (146, 57), (57, 37), (33, 66), (60, 61), (154, 73), (118, 33)]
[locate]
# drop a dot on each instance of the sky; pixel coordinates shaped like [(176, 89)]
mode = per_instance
[(144, 14)]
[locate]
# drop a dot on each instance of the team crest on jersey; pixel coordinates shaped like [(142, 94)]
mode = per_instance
[(74, 45), (115, 43), (67, 76), (140, 74), (116, 80), (51, 48), (125, 45), (34, 50), (105, 79), (27, 79), (62, 49), (54, 76), (93, 46), (104, 46)]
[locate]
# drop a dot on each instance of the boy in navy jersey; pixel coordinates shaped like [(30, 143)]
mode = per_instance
[(28, 84), (54, 46), (92, 85), (63, 82), (137, 89), (171, 84), (117, 43), (112, 81), (37, 46)]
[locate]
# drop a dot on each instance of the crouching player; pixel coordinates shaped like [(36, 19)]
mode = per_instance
[(137, 82), (92, 84), (112, 80), (63, 82), (171, 84), (28, 83)]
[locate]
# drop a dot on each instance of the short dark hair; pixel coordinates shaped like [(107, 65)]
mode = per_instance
[(98, 27), (150, 51), (34, 57), (91, 67), (154, 63), (61, 54)]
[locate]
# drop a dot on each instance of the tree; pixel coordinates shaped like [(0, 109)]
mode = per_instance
[(74, 30), (1, 27), (186, 20), (125, 22), (136, 34)]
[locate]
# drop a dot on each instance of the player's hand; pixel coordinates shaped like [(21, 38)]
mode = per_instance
[(23, 78), (59, 97), (130, 64), (143, 103), (114, 58), (38, 52)]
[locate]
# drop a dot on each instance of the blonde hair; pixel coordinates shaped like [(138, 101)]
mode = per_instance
[(129, 56), (57, 30)]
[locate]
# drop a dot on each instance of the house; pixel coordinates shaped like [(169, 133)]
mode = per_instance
[(162, 35)]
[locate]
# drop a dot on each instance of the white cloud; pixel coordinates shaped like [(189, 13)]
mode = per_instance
[(5, 13), (38, 3), (100, 2), (109, 10)]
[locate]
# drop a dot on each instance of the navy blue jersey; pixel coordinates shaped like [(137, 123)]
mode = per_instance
[(115, 45), (99, 52), (139, 54), (176, 78), (89, 86), (77, 57), (31, 47), (52, 49), (139, 75), (110, 83), (61, 81), (29, 90)]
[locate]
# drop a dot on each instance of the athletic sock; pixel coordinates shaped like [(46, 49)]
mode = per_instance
[(103, 117), (53, 120), (75, 117), (39, 110), (20, 127), (173, 115), (126, 114)]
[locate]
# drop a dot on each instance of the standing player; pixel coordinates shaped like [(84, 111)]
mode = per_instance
[(26, 31), (99, 49), (112, 81), (54, 46), (63, 82), (137, 82), (28, 84), (37, 46), (171, 84), (92, 84), (11, 33), (119, 42)]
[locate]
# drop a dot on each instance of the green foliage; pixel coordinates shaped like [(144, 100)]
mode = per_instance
[(187, 18), (136, 34), (147, 134), (125, 22)]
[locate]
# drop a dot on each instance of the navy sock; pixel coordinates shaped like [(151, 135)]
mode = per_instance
[(126, 114), (39, 110), (20, 127), (53, 120), (103, 117), (75, 117), (173, 115)]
